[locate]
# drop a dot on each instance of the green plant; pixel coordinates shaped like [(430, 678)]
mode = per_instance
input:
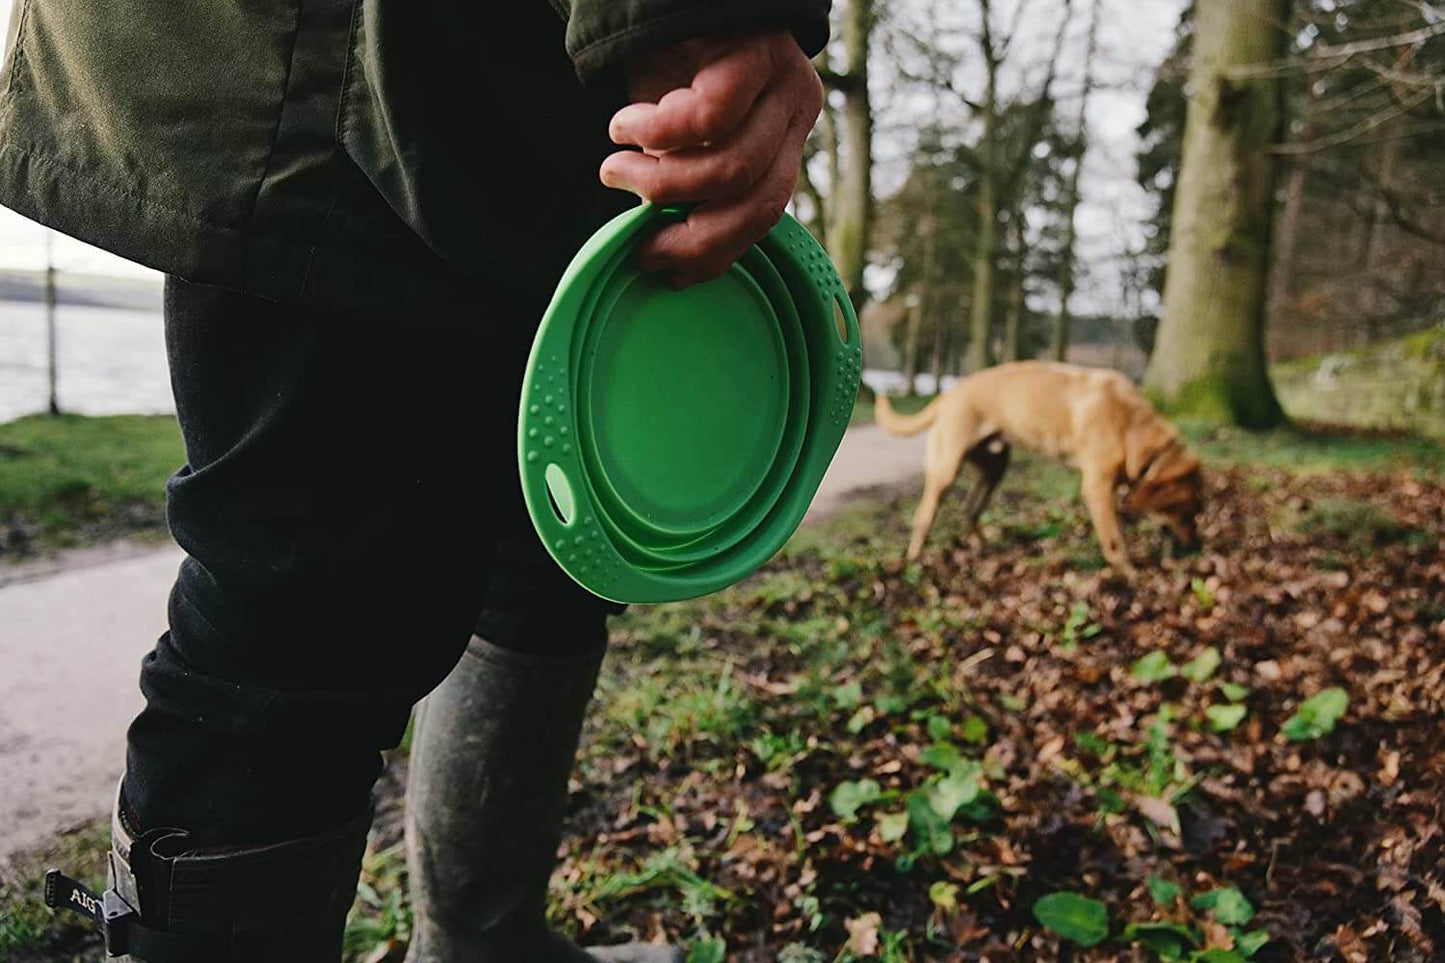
[(1233, 692), (1202, 666), (1153, 667), (848, 797), (671, 871), (1163, 892), (1317, 715), (381, 918), (775, 751), (712, 949), (1078, 627), (1223, 718), (1169, 940), (1074, 917), (1227, 904)]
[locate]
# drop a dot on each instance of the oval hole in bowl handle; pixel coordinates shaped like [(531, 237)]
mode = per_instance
[(559, 493), (840, 318)]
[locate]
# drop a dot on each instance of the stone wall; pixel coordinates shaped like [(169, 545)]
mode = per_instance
[(1397, 384)]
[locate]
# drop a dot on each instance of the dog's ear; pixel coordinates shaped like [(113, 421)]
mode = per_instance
[(1172, 464), (866, 394), (1173, 476), (1145, 442)]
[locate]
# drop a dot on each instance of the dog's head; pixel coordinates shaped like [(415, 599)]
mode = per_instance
[(1172, 490)]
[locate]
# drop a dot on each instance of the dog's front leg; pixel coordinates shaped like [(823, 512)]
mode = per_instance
[(1099, 499)]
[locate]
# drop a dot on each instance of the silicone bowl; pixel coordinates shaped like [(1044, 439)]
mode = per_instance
[(670, 442)]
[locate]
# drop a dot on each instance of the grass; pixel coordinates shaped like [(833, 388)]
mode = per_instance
[(70, 479), (27, 925), (1311, 449), (1358, 524), (903, 404)]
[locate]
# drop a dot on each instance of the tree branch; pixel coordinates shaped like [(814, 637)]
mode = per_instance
[(1328, 57), (1353, 132), (1039, 110)]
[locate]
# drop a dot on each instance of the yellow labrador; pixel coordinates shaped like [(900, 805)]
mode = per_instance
[(1091, 418)]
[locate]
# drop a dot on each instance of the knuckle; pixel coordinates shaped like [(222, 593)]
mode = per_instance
[(736, 173), (709, 120), (690, 250)]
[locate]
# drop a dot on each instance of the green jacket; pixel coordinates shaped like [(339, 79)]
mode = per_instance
[(354, 153)]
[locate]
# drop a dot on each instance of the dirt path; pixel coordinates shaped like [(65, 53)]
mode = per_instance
[(72, 637), (70, 648)]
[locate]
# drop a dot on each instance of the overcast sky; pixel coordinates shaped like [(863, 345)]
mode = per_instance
[(1134, 37)]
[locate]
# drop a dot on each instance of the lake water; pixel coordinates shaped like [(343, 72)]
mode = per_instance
[(109, 361), (113, 362)]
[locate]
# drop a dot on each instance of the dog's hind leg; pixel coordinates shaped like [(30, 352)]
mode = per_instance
[(933, 490), (990, 460)]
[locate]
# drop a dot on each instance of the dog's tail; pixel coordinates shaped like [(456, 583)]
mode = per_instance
[(896, 424)]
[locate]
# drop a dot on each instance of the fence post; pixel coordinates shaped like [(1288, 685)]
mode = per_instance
[(50, 318)]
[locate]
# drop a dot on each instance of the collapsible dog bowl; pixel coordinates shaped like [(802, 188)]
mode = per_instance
[(671, 441)]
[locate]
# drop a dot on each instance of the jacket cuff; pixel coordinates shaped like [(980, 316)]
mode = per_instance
[(603, 34)]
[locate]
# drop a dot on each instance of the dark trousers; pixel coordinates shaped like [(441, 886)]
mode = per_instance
[(351, 515)]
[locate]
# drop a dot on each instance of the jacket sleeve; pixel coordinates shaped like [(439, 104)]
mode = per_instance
[(602, 34)]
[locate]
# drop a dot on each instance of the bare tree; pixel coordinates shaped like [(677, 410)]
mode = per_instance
[(1001, 171), (1071, 197)]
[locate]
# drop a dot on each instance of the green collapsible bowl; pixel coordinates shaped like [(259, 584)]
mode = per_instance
[(671, 441)]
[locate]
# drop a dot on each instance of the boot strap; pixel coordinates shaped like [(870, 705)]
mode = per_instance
[(125, 934)]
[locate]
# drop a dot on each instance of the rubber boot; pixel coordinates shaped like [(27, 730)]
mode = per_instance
[(170, 902), (490, 757)]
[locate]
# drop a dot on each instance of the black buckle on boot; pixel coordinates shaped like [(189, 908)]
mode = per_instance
[(121, 924)]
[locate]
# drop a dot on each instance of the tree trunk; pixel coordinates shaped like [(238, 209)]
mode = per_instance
[(1014, 318), (1294, 197), (1209, 359), (981, 322), (910, 343), (853, 192), (940, 354), (1071, 201), (1374, 302)]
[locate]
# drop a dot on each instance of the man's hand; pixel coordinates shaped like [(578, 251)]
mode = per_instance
[(721, 122)]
